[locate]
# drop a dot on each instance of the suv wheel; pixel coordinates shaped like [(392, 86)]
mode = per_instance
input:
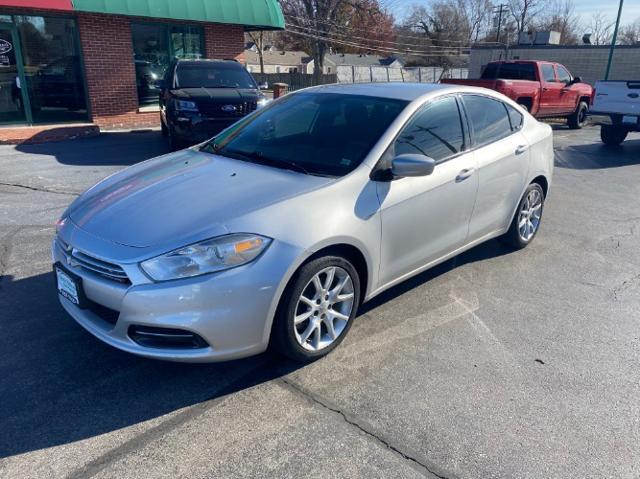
[(579, 117), (317, 309), (612, 135), (163, 128)]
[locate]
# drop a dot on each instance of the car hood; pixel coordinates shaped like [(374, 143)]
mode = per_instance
[(181, 198), (217, 94)]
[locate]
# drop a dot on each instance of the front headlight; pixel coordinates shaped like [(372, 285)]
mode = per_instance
[(208, 256), (263, 102), (183, 105)]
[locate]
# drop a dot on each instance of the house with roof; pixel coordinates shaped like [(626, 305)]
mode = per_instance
[(277, 61)]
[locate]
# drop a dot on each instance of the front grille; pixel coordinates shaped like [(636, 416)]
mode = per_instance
[(76, 258), (217, 110)]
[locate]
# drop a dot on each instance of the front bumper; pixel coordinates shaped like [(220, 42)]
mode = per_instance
[(231, 310), (196, 128)]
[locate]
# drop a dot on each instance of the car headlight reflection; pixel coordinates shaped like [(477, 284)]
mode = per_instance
[(208, 256)]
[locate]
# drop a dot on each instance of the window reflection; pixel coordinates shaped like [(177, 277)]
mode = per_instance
[(52, 68), (154, 46)]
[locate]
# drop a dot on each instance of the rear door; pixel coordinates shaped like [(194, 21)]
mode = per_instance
[(424, 218), (550, 90), (502, 154)]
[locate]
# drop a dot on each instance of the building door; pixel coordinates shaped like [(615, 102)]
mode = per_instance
[(12, 98)]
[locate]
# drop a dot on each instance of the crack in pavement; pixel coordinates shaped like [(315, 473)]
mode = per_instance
[(41, 189), (256, 374), (427, 470), (624, 286)]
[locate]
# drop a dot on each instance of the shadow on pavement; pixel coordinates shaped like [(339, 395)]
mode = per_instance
[(111, 148), (59, 384), (595, 156)]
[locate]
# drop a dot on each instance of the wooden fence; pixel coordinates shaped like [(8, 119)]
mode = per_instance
[(296, 81)]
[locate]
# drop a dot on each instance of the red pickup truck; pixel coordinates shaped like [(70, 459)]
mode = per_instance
[(545, 89)]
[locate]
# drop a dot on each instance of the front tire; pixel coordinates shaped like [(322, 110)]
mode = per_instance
[(526, 221), (612, 135), (579, 117), (317, 309)]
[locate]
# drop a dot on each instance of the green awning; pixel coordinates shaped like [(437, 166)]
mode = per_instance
[(253, 14)]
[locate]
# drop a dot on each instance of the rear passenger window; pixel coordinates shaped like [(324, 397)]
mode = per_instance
[(515, 117), (436, 131), (488, 118)]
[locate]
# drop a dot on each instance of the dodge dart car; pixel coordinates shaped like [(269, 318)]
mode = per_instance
[(276, 230)]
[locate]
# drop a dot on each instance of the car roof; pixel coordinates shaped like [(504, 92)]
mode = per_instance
[(203, 62), (397, 90)]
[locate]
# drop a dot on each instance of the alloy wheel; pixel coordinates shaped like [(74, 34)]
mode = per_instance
[(530, 214), (324, 308)]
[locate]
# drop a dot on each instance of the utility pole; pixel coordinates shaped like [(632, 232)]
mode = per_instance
[(501, 10), (613, 41)]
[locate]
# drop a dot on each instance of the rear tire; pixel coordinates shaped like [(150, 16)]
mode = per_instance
[(172, 141), (526, 221), (311, 322), (578, 119), (163, 128), (612, 135)]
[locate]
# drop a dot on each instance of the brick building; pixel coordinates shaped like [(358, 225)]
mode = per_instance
[(73, 64)]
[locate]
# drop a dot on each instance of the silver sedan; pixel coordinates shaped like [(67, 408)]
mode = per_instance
[(275, 231)]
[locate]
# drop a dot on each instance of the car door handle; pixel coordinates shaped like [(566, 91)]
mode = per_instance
[(521, 149), (464, 174)]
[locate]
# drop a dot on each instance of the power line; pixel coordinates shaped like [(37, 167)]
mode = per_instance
[(367, 47), (412, 45), (405, 35)]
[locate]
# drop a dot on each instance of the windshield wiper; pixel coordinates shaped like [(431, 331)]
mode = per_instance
[(258, 157)]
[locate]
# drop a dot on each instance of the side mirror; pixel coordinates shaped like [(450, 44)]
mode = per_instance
[(264, 86), (412, 164), (577, 80)]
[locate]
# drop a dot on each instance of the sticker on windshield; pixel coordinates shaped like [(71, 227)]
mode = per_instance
[(345, 162)]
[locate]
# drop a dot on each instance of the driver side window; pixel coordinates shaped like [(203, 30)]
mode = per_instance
[(435, 131), (563, 75)]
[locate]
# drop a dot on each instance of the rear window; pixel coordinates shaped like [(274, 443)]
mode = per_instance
[(509, 71), (210, 75)]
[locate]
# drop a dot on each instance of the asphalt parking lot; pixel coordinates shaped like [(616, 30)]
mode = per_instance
[(497, 364)]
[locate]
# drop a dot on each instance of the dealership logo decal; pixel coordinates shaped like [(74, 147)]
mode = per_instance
[(5, 47), (228, 108)]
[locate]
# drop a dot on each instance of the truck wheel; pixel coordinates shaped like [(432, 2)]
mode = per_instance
[(579, 117), (525, 106), (612, 135)]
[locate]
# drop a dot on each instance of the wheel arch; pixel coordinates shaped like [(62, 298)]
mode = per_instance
[(543, 182)]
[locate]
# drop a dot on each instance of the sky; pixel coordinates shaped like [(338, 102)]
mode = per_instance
[(584, 8)]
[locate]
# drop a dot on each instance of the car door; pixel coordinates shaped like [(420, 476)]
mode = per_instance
[(550, 90), (502, 154), (424, 218), (569, 93)]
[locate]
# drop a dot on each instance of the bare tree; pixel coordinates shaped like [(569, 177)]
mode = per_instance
[(560, 16), (630, 34), (523, 12), (258, 40), (317, 20), (600, 28)]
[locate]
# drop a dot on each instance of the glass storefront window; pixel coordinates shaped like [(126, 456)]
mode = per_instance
[(155, 45), (52, 68), (11, 107)]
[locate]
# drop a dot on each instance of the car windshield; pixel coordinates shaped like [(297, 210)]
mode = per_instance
[(213, 76), (318, 133)]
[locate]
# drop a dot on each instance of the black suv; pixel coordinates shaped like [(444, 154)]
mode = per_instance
[(200, 98)]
